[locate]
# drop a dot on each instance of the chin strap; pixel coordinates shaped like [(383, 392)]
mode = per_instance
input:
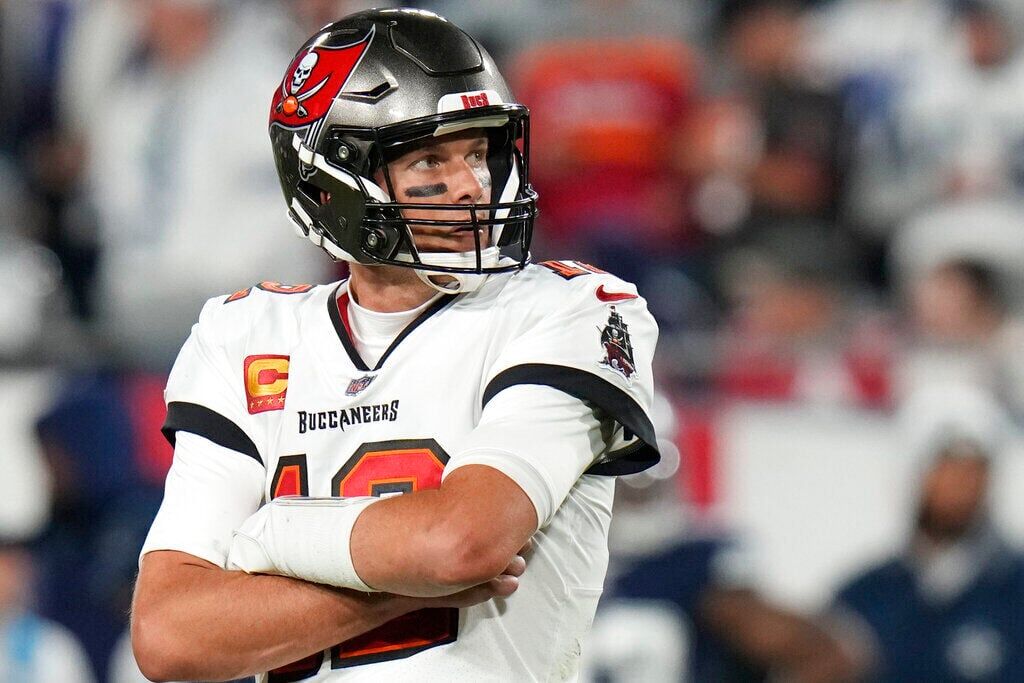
[(452, 283), (455, 283)]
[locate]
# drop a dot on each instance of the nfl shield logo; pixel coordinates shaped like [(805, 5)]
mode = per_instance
[(356, 386)]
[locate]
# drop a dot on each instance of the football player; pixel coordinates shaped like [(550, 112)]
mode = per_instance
[(360, 467)]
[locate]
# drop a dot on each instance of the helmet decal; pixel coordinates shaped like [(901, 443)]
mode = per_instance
[(303, 71), (313, 80), (467, 100)]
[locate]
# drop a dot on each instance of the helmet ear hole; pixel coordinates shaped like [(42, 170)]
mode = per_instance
[(311, 193)]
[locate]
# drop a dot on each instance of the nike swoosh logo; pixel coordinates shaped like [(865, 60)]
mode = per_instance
[(613, 296)]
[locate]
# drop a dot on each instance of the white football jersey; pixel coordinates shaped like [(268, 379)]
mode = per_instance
[(272, 374)]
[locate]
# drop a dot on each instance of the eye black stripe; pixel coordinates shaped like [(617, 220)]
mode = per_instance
[(435, 190)]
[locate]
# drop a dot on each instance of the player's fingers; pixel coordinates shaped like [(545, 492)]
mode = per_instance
[(499, 587), (503, 586), (527, 547), (516, 567)]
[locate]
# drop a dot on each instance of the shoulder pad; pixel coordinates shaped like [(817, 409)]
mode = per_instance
[(269, 304), (576, 283)]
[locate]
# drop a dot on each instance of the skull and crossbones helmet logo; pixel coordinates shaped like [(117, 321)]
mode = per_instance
[(292, 99), (303, 70)]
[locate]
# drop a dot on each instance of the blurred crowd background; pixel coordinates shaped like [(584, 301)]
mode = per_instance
[(823, 203)]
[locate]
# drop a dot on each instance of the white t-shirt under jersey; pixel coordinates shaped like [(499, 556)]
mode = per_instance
[(373, 331)]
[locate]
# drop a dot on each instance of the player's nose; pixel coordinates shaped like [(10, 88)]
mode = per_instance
[(464, 184)]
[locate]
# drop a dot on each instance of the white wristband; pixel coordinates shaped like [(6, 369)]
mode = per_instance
[(304, 538)]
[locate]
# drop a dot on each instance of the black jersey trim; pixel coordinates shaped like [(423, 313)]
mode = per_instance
[(346, 341), (589, 387), (200, 420), (339, 327), (433, 309)]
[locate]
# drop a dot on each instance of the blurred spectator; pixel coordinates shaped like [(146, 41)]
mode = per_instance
[(178, 174), (795, 330), (957, 303), (949, 607), (605, 115), (963, 331), (34, 649), (101, 40), (679, 604), (25, 505), (984, 230), (708, 624), (31, 68), (526, 22), (601, 111), (31, 307), (30, 35), (631, 18), (772, 144), (869, 45), (18, 213), (27, 309), (956, 127), (101, 441), (523, 23)]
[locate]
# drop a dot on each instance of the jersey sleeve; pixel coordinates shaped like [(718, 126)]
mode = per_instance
[(593, 338), (210, 491), (205, 392), (541, 438)]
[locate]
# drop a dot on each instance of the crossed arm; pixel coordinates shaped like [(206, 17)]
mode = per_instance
[(451, 546), (193, 620)]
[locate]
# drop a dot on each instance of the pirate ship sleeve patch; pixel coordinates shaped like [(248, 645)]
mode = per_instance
[(596, 344), (617, 346)]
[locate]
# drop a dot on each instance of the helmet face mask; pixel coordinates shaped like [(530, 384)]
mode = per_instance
[(412, 78)]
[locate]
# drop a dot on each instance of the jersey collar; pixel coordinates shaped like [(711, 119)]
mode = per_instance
[(337, 309)]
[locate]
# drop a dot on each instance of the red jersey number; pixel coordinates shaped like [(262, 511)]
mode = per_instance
[(379, 468)]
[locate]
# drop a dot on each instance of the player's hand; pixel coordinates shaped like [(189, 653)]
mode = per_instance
[(501, 586)]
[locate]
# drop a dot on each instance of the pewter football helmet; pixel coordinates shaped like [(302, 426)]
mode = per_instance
[(361, 91)]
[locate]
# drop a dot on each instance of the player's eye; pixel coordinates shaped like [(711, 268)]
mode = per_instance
[(426, 163), (477, 157)]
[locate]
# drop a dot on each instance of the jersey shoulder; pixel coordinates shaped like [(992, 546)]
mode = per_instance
[(565, 284), (267, 309)]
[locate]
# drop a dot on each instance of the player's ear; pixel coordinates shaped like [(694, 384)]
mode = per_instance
[(324, 197)]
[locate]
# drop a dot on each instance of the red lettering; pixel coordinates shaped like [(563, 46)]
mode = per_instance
[(473, 101)]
